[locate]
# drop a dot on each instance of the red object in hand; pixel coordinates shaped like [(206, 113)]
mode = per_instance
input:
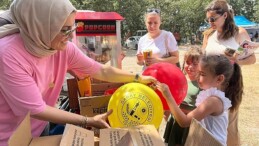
[(172, 76), (110, 91)]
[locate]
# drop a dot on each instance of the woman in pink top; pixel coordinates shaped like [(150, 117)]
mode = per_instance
[(35, 55)]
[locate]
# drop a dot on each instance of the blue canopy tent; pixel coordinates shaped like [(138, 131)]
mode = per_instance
[(242, 21)]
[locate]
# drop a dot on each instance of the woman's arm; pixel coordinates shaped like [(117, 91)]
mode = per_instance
[(247, 61), (172, 49), (174, 58), (241, 37), (62, 117), (111, 74)]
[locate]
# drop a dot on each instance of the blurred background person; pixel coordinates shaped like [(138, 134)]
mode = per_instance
[(160, 44)]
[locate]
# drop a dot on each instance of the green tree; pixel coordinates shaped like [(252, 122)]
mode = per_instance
[(256, 14), (246, 8), (5, 4), (133, 12), (185, 16)]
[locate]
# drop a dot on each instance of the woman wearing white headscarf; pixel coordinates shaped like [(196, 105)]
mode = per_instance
[(35, 55)]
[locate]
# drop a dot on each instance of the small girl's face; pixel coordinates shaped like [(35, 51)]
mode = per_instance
[(191, 68), (206, 79)]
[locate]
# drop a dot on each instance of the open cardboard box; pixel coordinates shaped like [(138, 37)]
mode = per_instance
[(23, 137), (143, 135), (98, 103), (93, 105), (80, 89)]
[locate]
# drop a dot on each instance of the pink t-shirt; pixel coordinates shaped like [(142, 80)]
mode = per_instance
[(28, 83)]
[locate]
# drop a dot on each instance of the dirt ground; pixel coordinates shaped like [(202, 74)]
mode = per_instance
[(249, 109)]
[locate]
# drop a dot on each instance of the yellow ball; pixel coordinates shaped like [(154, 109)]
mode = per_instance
[(135, 104)]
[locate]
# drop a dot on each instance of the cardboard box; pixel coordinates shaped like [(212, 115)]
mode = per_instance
[(22, 136), (98, 89), (98, 103), (199, 136), (77, 136), (73, 135), (93, 105), (144, 135)]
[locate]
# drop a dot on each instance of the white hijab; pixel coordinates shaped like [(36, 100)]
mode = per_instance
[(38, 22)]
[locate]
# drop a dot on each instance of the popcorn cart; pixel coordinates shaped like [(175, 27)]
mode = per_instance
[(98, 35)]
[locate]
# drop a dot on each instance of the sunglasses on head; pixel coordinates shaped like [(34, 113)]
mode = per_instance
[(68, 32), (212, 19), (153, 10)]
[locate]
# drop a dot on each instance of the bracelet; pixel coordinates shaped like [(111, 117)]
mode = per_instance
[(136, 77), (84, 122)]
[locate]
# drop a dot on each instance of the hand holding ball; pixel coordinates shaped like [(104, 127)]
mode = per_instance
[(135, 104), (172, 76)]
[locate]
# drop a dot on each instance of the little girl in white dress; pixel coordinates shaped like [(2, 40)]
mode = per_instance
[(221, 82)]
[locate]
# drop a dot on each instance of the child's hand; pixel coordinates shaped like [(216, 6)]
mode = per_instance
[(164, 89)]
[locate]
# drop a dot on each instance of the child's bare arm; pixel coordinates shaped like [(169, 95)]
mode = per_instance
[(210, 106)]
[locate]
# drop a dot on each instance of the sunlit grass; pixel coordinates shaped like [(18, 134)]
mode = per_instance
[(249, 109)]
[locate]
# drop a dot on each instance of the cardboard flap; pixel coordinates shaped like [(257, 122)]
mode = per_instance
[(94, 105), (111, 137), (143, 135), (46, 141), (74, 135), (200, 136), (146, 135), (99, 89), (22, 135), (126, 140)]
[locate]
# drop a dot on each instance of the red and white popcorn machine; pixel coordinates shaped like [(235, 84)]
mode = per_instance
[(98, 34)]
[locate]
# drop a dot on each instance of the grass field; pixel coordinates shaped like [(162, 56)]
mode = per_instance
[(249, 109)]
